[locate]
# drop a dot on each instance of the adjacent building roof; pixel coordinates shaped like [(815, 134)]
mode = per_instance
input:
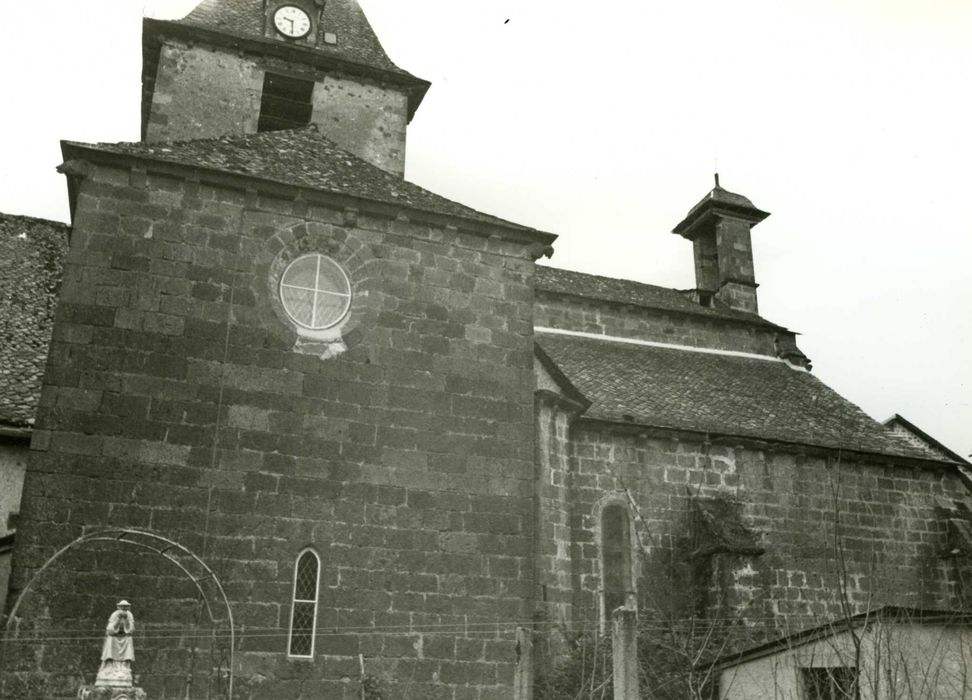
[(355, 39), (579, 284), (888, 614), (907, 430), (301, 157), (720, 393), (31, 251)]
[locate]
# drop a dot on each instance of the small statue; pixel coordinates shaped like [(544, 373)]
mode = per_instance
[(118, 652)]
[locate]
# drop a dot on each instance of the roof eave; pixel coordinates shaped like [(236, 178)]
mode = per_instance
[(890, 613), (708, 210), (14, 433), (75, 151), (641, 426), (570, 392)]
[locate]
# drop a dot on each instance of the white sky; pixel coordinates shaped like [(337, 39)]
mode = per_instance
[(603, 122)]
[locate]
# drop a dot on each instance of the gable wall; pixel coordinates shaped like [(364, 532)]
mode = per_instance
[(177, 399)]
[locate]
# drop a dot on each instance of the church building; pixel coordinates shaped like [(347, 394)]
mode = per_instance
[(336, 436)]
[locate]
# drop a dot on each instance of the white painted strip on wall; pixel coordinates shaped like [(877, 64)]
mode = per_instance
[(668, 346)]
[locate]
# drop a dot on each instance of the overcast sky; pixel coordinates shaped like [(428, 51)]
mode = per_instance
[(603, 122)]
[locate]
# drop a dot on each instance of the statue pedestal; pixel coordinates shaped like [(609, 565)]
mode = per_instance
[(91, 692)]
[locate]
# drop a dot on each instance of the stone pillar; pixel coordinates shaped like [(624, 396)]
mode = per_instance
[(624, 652), (523, 676)]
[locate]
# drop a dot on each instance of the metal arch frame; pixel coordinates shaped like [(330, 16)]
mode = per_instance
[(120, 534)]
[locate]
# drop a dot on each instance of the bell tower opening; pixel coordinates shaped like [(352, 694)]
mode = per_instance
[(285, 103)]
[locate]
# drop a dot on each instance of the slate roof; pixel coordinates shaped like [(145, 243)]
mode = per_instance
[(557, 281), (718, 199), (305, 158), (31, 251), (356, 40), (722, 394)]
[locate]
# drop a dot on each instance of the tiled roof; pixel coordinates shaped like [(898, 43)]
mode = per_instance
[(551, 279), (31, 251), (715, 393), (305, 158), (356, 40)]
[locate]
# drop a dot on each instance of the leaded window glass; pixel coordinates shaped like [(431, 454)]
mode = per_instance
[(303, 617)]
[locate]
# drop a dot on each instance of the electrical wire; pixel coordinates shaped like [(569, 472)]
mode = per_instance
[(464, 629)]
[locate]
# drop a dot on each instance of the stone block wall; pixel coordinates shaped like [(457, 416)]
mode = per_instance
[(367, 119), (655, 325), (177, 400), (864, 530), (201, 92), (555, 578)]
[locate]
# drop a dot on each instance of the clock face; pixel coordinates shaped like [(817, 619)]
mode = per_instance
[(291, 21)]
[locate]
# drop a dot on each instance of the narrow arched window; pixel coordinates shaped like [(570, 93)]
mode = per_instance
[(303, 615), (616, 558)]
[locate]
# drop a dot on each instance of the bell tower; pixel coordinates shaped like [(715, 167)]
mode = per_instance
[(235, 67)]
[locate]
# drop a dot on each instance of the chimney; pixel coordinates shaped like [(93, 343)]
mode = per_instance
[(718, 227)]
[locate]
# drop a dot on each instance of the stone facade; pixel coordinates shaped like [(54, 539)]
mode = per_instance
[(480, 446), (175, 401), (885, 516)]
